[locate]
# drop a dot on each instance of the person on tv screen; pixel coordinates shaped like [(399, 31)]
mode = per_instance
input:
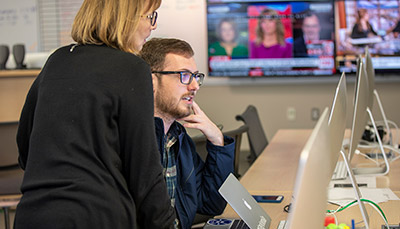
[(362, 28), (270, 37), (395, 29), (227, 45), (192, 183), (311, 33)]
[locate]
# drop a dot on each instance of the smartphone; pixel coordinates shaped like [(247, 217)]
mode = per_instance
[(268, 198)]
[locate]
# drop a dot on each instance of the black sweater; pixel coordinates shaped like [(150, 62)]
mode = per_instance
[(87, 143)]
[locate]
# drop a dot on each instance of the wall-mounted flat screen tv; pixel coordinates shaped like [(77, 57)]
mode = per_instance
[(373, 24), (260, 38)]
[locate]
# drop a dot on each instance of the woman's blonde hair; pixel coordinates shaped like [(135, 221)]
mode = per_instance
[(280, 30), (110, 22)]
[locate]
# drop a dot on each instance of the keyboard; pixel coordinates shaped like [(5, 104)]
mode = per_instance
[(239, 224), (226, 223), (340, 171), (282, 224)]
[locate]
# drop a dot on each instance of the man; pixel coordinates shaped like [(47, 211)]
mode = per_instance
[(192, 184), (311, 33)]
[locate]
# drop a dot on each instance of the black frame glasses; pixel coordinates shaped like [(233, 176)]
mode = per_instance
[(153, 18), (186, 77)]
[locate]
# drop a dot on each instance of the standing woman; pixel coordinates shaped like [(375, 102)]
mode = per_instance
[(86, 136)]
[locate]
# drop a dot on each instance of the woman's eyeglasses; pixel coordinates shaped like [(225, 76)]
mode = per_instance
[(152, 17), (186, 77)]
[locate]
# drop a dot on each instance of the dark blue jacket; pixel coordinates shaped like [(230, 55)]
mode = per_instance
[(198, 182)]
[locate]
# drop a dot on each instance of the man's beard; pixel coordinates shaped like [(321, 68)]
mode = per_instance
[(169, 107)]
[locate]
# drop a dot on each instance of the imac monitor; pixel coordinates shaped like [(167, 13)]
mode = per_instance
[(371, 78), (360, 117), (263, 38), (360, 114), (380, 33), (312, 179), (337, 120)]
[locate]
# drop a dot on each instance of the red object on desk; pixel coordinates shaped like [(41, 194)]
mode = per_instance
[(328, 220)]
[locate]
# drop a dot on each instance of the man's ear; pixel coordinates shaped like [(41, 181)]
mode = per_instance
[(155, 81)]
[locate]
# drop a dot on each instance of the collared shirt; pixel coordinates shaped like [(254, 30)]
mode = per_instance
[(169, 171)]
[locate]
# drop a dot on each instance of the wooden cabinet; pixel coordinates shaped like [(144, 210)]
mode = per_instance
[(14, 86)]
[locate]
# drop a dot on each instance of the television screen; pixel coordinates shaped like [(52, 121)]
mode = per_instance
[(373, 24), (260, 38)]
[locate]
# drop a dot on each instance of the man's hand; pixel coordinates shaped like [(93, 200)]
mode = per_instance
[(199, 120)]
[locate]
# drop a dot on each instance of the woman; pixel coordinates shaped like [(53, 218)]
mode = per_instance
[(362, 28), (86, 135), (270, 41), (227, 44)]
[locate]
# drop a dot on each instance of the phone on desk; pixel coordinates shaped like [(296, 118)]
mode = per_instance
[(268, 198)]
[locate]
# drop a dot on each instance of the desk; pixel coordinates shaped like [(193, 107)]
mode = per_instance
[(274, 172)]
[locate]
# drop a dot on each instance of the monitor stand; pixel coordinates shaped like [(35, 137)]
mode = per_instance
[(356, 190), (374, 171)]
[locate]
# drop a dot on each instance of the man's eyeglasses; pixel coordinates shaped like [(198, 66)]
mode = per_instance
[(186, 77), (152, 17)]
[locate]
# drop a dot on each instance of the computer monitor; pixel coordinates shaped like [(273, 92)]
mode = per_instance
[(361, 99), (337, 126), (371, 78), (381, 36), (337, 120), (360, 116), (373, 92), (312, 178), (304, 33)]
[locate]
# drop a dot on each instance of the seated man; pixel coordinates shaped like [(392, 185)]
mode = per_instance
[(192, 184)]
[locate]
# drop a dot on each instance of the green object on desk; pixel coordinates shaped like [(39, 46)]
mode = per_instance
[(334, 226)]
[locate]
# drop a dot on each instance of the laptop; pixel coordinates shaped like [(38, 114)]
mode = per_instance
[(244, 205)]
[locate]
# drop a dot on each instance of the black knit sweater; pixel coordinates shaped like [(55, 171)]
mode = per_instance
[(87, 144)]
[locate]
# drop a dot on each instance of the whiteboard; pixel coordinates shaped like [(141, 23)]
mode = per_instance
[(186, 20), (18, 24)]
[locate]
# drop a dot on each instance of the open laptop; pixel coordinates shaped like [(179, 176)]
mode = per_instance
[(245, 206)]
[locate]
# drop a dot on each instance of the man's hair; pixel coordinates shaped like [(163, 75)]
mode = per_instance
[(155, 50), (110, 22)]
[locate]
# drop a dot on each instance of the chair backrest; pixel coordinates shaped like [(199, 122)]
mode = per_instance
[(237, 135), (257, 138), (8, 144), (201, 143), (11, 174)]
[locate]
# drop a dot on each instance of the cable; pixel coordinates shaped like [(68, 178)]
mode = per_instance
[(369, 158), (389, 147), (373, 204), (380, 213)]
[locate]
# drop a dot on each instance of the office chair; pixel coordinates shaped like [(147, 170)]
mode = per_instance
[(10, 172), (257, 138), (237, 135)]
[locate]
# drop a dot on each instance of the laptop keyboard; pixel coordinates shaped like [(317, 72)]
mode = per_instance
[(239, 224), (282, 224), (340, 171)]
